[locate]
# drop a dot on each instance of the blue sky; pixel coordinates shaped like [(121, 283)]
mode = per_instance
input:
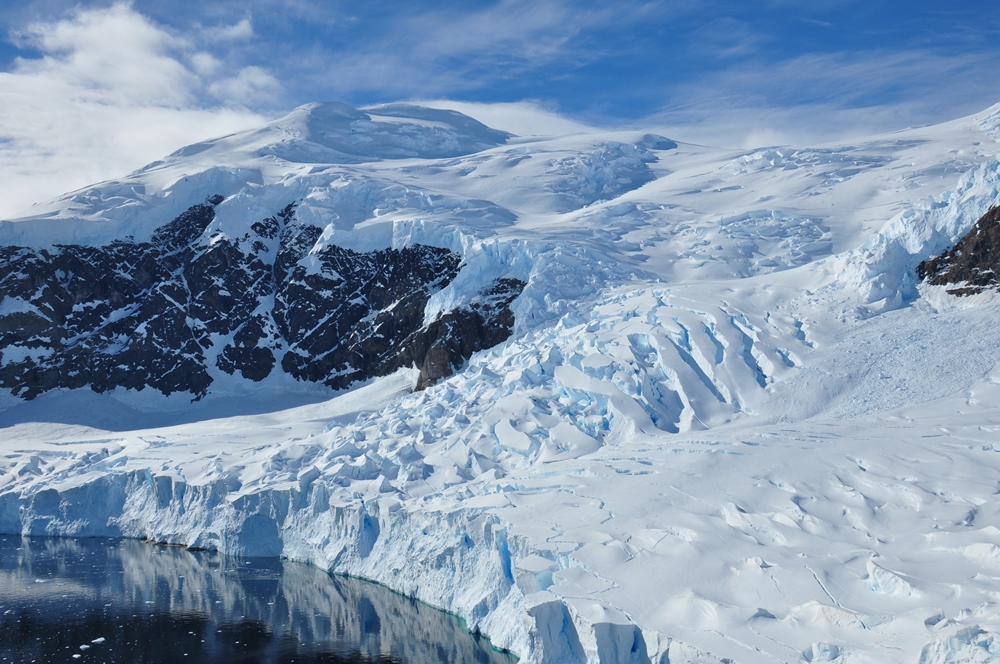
[(598, 61), (88, 81)]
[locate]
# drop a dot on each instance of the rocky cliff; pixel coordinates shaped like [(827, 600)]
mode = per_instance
[(972, 265), (173, 312)]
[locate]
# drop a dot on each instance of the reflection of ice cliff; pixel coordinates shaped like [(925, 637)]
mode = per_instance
[(288, 599)]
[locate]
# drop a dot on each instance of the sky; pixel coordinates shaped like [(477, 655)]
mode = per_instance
[(93, 89)]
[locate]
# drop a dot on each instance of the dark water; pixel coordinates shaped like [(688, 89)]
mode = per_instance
[(66, 600)]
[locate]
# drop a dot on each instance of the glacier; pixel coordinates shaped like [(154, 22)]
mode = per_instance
[(730, 424)]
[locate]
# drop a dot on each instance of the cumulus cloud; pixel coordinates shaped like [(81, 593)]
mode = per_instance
[(110, 92)]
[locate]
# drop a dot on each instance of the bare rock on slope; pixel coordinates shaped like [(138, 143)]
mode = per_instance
[(972, 265)]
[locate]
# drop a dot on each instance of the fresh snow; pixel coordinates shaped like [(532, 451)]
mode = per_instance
[(730, 425)]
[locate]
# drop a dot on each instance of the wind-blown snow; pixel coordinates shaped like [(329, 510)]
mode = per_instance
[(729, 426)]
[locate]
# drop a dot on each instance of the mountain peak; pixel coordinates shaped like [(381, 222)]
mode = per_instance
[(337, 133)]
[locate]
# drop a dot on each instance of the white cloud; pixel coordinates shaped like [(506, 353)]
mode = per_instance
[(205, 64), (829, 97), (114, 51), (242, 29), (444, 51), (110, 93), (513, 29), (251, 84), (520, 118)]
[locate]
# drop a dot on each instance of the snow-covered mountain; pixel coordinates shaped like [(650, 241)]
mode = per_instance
[(674, 403)]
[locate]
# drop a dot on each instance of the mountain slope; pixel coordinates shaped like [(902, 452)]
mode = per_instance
[(170, 312), (708, 410)]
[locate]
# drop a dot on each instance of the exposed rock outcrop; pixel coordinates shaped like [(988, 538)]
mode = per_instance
[(972, 265), (168, 312)]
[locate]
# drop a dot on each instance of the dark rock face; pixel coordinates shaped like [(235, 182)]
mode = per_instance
[(440, 348), (973, 264), (166, 313)]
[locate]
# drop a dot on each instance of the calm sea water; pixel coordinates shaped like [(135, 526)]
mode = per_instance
[(123, 601)]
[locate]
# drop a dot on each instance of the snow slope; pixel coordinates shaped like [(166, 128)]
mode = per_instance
[(730, 425)]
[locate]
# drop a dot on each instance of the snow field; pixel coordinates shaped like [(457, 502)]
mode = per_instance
[(728, 427)]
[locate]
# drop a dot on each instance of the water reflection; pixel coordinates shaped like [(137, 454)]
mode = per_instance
[(64, 600)]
